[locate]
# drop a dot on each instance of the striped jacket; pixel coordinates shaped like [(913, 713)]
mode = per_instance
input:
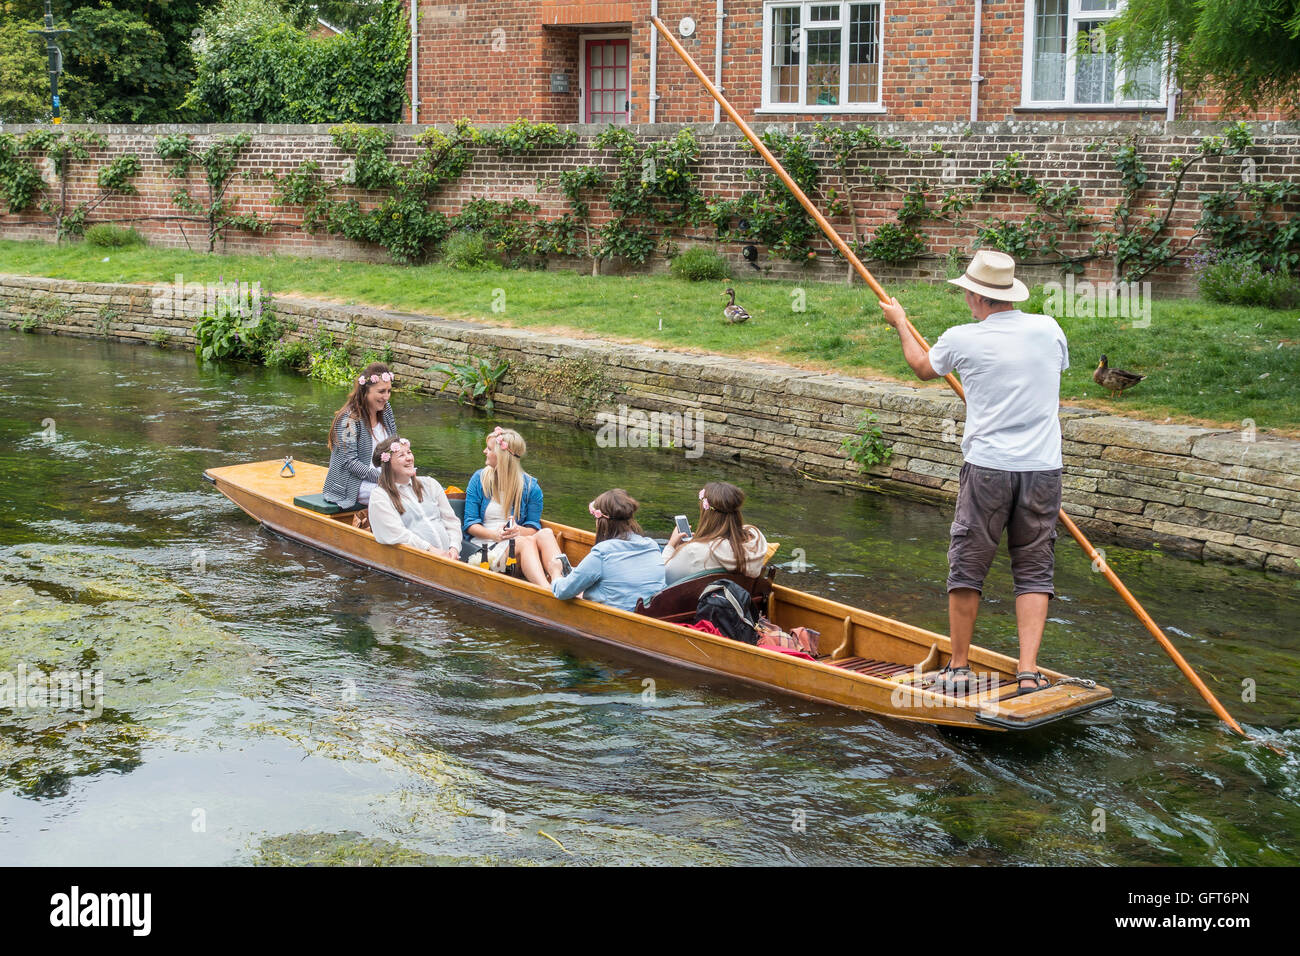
[(350, 459)]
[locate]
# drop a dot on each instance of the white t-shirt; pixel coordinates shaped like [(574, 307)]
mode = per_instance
[(1010, 365)]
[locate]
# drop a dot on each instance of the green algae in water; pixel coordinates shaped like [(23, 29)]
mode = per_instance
[(65, 610), (347, 848)]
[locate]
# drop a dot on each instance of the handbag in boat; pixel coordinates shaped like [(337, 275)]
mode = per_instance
[(801, 640), (730, 608)]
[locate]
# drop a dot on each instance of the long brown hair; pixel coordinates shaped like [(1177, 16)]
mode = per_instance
[(355, 406), (616, 507), (386, 480), (505, 483), (722, 520)]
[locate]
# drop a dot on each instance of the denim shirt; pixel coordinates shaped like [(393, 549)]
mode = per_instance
[(476, 502), (616, 572)]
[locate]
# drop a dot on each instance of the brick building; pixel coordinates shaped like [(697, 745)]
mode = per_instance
[(568, 61)]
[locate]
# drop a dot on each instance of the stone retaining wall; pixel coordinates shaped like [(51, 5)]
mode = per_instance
[(1219, 495)]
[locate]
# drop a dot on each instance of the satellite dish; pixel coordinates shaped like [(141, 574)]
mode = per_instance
[(687, 27)]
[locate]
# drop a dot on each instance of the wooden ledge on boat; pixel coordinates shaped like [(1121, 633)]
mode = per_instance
[(874, 663)]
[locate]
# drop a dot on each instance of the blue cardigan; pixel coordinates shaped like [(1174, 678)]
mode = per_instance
[(476, 502)]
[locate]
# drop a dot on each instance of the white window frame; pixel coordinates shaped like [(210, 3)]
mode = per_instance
[(1075, 14), (805, 23), (582, 70)]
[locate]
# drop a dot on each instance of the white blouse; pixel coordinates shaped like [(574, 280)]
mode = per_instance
[(430, 525), (693, 557), (494, 519)]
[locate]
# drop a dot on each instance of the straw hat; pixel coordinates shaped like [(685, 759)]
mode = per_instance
[(992, 274)]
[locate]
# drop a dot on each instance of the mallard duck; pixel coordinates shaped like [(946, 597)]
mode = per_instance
[(1115, 379), (734, 313)]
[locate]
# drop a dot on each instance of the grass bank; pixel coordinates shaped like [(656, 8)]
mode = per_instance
[(1206, 363)]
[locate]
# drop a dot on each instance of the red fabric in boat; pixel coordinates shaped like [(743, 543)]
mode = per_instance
[(793, 653), (707, 627)]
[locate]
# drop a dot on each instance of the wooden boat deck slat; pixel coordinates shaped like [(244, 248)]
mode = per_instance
[(875, 668)]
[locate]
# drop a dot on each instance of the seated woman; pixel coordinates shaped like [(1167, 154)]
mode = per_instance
[(622, 566), (502, 492), (364, 421), (407, 509), (720, 535)]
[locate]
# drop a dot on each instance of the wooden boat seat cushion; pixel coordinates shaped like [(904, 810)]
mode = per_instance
[(318, 504), (677, 604)]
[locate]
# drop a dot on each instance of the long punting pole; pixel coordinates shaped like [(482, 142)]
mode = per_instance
[(1098, 560)]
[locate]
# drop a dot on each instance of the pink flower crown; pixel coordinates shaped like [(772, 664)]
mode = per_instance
[(375, 379), (397, 441), (500, 437), (595, 512), (704, 502)]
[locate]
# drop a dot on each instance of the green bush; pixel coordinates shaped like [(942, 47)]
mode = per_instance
[(228, 334), (1237, 281), (468, 250), (701, 265), (289, 355), (254, 66), (108, 236)]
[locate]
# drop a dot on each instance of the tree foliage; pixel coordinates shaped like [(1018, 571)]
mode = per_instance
[(1248, 51), (254, 65), (24, 90)]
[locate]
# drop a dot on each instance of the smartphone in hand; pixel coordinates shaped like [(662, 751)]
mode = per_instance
[(565, 566), (684, 526)]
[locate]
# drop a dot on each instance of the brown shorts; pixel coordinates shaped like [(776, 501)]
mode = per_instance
[(1025, 503)]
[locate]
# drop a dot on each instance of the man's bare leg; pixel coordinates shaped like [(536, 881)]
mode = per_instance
[(963, 606), (1031, 619)]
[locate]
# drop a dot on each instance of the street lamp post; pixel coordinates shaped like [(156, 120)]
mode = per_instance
[(55, 56)]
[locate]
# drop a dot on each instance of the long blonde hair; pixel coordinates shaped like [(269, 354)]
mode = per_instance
[(504, 484)]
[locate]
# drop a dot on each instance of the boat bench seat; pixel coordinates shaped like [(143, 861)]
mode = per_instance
[(318, 504), (676, 604)]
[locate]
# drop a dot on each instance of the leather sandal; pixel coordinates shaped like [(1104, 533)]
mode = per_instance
[(951, 678), (1040, 682)]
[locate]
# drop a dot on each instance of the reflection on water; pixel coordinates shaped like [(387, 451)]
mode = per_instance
[(266, 703)]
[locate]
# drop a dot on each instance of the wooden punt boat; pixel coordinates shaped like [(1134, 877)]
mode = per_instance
[(869, 662)]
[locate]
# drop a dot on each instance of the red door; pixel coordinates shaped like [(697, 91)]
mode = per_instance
[(607, 89)]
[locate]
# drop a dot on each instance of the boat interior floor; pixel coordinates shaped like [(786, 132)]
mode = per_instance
[(1003, 685)]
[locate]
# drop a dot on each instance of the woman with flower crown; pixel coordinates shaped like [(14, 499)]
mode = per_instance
[(503, 503), (622, 566), (720, 535), (408, 508), (364, 421)]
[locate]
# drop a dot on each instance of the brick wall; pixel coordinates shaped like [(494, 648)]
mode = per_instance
[(492, 61), (1056, 152), (1204, 493)]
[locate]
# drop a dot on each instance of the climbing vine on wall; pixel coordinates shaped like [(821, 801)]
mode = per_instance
[(1140, 240), (218, 163), (21, 180)]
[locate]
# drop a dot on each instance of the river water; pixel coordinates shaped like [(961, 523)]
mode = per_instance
[(265, 703)]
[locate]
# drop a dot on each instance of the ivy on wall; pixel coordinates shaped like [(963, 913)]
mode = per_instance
[(218, 162), (21, 180), (653, 192)]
